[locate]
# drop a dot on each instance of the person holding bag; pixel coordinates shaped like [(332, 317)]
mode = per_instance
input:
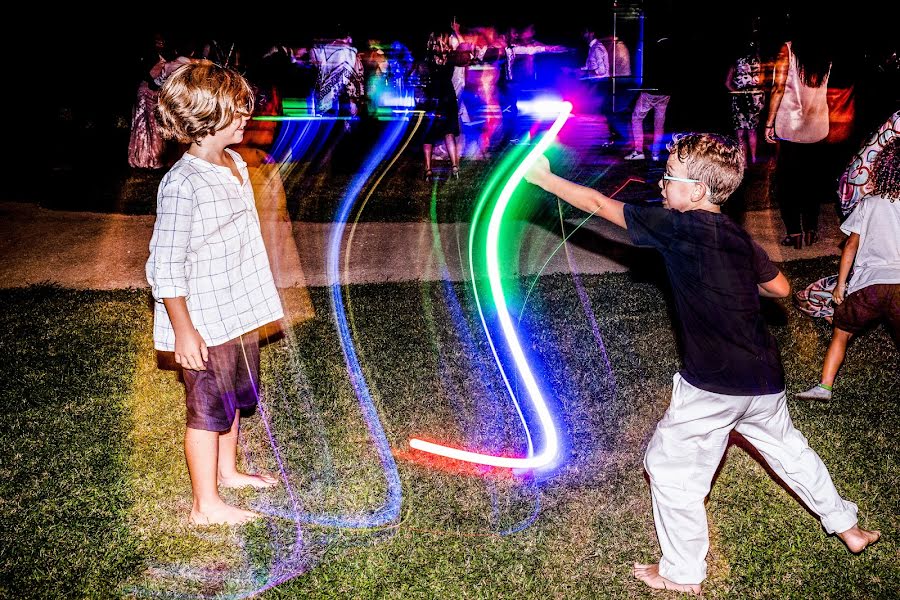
[(798, 121)]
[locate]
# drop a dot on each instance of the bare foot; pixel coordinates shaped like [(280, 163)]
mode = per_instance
[(649, 574), (221, 514), (858, 539), (238, 480)]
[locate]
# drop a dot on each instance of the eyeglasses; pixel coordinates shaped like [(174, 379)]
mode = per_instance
[(666, 178)]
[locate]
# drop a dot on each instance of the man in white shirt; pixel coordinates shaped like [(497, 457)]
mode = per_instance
[(597, 65), (597, 75)]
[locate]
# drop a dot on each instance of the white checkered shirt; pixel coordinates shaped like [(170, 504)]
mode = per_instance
[(207, 246)]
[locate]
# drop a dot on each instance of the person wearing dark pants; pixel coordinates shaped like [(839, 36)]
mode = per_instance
[(800, 188), (798, 122)]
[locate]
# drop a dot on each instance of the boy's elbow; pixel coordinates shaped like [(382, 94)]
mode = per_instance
[(783, 291), (779, 287)]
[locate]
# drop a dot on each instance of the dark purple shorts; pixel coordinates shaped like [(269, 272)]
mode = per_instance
[(214, 395), (869, 305)]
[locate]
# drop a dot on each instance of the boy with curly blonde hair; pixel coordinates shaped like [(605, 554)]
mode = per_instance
[(210, 277)]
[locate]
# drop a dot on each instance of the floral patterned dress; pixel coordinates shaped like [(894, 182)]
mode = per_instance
[(748, 99), (145, 147), (856, 181)]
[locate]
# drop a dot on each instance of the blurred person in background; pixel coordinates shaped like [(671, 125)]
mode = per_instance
[(798, 122)]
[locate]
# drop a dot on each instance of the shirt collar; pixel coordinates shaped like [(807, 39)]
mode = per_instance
[(239, 162)]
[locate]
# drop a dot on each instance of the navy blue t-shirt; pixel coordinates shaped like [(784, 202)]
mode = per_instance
[(714, 268)]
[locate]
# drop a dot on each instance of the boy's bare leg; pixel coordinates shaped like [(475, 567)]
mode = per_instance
[(201, 449), (649, 574), (228, 475), (834, 357), (858, 539)]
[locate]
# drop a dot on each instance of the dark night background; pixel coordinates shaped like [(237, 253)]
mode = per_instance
[(80, 72)]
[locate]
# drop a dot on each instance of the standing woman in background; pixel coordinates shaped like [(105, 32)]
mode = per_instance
[(798, 121), (440, 103), (748, 98), (145, 147)]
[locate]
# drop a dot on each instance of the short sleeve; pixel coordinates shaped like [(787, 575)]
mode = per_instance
[(652, 226), (854, 222), (765, 269)]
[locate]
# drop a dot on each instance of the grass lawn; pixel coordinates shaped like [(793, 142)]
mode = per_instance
[(94, 492)]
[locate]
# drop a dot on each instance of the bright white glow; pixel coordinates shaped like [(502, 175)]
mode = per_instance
[(507, 462), (541, 106), (390, 98), (551, 436)]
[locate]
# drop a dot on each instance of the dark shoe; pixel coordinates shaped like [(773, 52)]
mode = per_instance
[(454, 172), (428, 176), (810, 237), (793, 239)]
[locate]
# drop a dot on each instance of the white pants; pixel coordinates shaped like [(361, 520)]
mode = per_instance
[(686, 449)]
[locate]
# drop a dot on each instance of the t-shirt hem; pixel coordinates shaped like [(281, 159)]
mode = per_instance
[(221, 340), (729, 391), (861, 285)]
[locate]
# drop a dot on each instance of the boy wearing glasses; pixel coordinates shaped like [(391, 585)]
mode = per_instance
[(732, 376), (210, 276)]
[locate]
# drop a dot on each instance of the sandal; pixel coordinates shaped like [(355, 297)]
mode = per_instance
[(428, 176), (793, 239)]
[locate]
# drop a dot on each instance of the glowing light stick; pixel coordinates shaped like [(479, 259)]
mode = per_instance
[(551, 437)]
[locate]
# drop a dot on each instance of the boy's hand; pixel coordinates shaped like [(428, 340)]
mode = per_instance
[(538, 171), (190, 350)]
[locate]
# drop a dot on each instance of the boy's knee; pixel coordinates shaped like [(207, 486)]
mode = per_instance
[(656, 461), (841, 334)]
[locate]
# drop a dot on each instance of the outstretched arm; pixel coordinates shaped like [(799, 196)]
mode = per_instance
[(579, 196)]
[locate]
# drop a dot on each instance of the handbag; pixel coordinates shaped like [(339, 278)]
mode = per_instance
[(802, 115), (816, 299)]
